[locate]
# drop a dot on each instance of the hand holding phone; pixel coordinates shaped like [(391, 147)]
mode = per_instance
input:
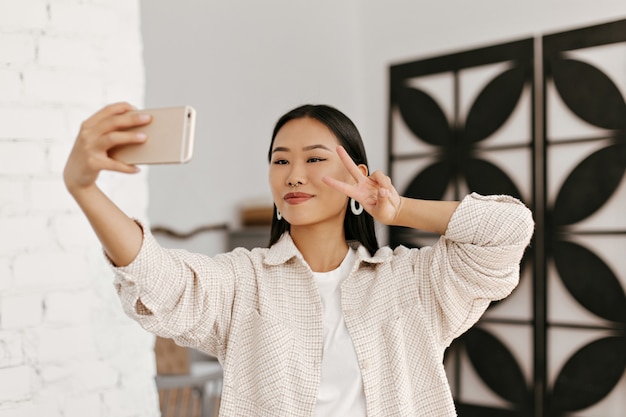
[(170, 138)]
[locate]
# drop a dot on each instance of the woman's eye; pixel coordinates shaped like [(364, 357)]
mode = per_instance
[(316, 159), (280, 162)]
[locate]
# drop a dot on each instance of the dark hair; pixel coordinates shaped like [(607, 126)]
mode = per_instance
[(361, 227)]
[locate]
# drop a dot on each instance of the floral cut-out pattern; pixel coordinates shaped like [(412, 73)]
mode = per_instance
[(484, 137)]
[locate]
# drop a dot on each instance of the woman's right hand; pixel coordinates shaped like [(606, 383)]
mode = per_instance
[(121, 237), (98, 134)]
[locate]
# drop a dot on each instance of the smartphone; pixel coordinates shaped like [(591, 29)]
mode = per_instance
[(170, 138)]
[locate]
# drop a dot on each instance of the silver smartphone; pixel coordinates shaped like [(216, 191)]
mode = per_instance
[(170, 138)]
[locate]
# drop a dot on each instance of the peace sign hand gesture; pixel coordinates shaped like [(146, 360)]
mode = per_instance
[(375, 193)]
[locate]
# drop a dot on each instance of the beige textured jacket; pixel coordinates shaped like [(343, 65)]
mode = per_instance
[(259, 311)]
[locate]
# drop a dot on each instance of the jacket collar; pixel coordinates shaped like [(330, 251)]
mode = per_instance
[(284, 250)]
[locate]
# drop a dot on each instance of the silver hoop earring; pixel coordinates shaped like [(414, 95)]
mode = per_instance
[(355, 207), (278, 215)]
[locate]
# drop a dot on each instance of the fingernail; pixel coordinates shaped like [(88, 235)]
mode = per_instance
[(141, 136), (144, 117)]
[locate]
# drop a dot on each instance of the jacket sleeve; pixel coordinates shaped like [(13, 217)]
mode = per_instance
[(180, 295), (477, 261)]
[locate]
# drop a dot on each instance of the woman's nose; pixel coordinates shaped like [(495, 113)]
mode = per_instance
[(296, 176)]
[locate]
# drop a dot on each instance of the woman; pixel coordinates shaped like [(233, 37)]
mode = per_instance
[(323, 322)]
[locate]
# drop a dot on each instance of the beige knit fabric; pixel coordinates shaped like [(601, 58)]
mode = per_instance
[(259, 311)]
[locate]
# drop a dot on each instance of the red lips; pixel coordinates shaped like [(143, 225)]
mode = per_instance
[(297, 198)]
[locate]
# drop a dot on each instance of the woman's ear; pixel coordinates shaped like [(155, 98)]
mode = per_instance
[(363, 169)]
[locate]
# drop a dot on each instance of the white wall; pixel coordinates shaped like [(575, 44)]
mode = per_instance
[(66, 347), (241, 64), (244, 63)]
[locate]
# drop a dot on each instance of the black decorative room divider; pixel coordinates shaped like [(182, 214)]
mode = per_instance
[(542, 119)]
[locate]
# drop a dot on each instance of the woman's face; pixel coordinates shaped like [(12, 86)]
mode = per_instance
[(304, 151)]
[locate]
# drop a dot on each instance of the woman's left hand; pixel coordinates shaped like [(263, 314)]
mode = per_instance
[(375, 193)]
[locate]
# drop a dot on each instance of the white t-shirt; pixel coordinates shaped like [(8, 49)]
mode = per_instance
[(341, 386)]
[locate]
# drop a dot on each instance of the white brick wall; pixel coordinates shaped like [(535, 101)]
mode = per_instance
[(66, 348), (16, 383)]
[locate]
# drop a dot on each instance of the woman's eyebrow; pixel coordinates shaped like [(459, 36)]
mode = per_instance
[(280, 149), (306, 148), (311, 147)]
